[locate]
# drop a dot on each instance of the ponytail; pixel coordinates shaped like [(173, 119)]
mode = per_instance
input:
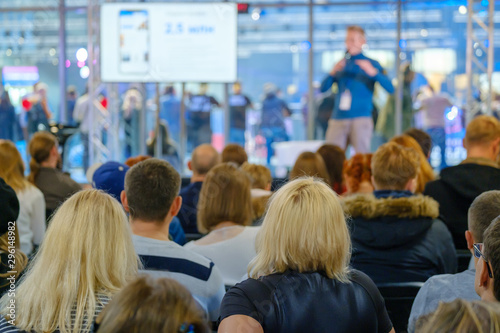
[(34, 170)]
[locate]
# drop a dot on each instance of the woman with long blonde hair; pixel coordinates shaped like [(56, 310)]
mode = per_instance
[(86, 257), (300, 280), (31, 220)]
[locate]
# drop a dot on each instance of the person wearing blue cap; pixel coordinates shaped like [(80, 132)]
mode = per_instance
[(110, 177)]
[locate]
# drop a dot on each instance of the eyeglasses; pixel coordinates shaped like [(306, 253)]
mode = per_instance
[(478, 253)]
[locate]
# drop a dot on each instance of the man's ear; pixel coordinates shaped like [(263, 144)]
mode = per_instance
[(190, 165), (268, 187), (470, 240), (411, 185), (176, 206), (483, 274), (123, 198)]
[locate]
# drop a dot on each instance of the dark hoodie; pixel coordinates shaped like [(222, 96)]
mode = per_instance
[(455, 191), (397, 238)]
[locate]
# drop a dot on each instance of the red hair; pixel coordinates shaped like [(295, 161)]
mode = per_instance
[(358, 169)]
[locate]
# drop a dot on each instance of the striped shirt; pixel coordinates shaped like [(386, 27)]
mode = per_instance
[(102, 300), (197, 273)]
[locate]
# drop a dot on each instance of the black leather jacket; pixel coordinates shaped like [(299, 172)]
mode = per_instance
[(309, 302)]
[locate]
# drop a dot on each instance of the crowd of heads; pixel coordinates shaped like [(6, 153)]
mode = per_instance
[(87, 257)]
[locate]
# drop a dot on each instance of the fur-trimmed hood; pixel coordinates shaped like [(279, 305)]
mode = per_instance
[(389, 222), (369, 207)]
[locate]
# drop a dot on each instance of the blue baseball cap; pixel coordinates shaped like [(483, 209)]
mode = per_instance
[(110, 177)]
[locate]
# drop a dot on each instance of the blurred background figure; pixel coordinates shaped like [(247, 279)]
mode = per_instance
[(198, 118), (169, 151), (7, 117), (274, 111), (170, 110), (387, 119), (238, 105), (132, 108), (39, 114), (433, 109), (71, 97)]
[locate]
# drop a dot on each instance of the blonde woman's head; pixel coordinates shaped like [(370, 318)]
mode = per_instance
[(149, 305), (304, 229), (461, 316), (87, 250), (225, 196), (12, 166)]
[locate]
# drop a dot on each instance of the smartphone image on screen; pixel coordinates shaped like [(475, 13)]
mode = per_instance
[(134, 41)]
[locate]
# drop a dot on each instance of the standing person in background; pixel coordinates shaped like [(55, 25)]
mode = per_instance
[(7, 117), (132, 108), (272, 125), (71, 96), (433, 109), (238, 105), (87, 120), (170, 111), (387, 119), (39, 114), (198, 122), (355, 76)]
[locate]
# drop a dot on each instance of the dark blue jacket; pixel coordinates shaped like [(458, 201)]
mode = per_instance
[(188, 212), (396, 237)]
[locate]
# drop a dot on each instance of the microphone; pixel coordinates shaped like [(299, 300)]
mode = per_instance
[(347, 55)]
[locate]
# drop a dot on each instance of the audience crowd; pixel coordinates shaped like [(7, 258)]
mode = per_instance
[(138, 253)]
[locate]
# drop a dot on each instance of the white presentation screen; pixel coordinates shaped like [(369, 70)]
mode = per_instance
[(172, 42)]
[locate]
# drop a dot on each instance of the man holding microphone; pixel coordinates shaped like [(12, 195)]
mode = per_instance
[(355, 76)]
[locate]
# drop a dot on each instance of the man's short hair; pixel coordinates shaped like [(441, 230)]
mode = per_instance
[(482, 130), (394, 165), (151, 187), (260, 176), (492, 253), (484, 209), (204, 158), (234, 153), (423, 139), (356, 28)]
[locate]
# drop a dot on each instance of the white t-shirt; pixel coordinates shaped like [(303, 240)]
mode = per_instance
[(31, 220), (232, 255)]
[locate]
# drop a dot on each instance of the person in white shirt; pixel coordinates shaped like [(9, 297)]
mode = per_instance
[(31, 220), (224, 212)]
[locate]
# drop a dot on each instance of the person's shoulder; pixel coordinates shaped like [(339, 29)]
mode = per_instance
[(6, 327), (169, 256)]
